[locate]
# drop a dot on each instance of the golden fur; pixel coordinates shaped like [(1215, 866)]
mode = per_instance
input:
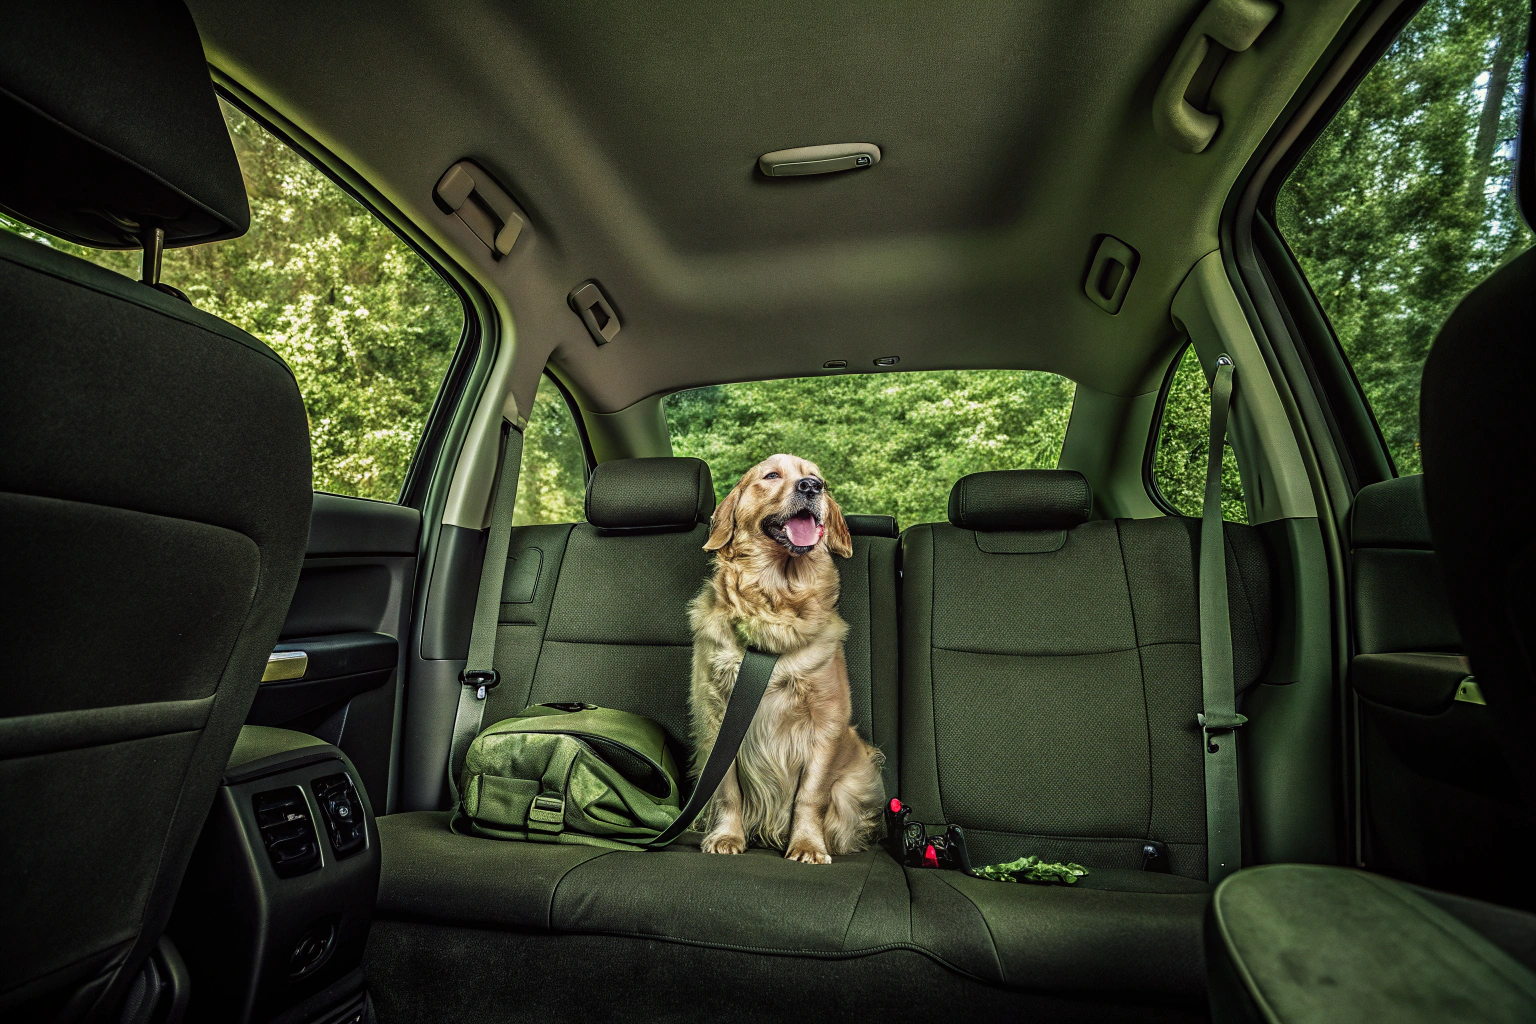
[(804, 781)]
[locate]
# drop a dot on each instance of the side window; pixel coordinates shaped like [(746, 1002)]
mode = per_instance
[(1404, 202), (552, 485), (366, 324), (1183, 441)]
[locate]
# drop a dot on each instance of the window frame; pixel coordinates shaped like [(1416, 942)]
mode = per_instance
[(448, 401), (1155, 435)]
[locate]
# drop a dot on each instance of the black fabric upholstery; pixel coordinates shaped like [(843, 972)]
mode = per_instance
[(155, 495), (1478, 433), (638, 494), (1021, 499), (1050, 698), (423, 973), (111, 124), (1127, 935)]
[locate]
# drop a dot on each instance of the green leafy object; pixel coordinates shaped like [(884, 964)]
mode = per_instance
[(1032, 870)]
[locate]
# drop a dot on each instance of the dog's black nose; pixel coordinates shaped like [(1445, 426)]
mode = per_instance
[(809, 485)]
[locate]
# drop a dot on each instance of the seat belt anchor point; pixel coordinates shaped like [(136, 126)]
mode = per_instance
[(1215, 723), (482, 681)]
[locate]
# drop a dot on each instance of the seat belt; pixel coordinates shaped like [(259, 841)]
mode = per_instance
[(751, 683), (479, 676), (1223, 824)]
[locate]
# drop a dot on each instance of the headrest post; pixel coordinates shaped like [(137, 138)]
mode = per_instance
[(154, 247)]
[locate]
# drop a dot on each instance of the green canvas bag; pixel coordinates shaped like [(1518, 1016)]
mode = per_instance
[(567, 773), (578, 773)]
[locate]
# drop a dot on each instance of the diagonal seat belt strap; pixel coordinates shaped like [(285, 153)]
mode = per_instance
[(751, 683), (1223, 824), (479, 676)]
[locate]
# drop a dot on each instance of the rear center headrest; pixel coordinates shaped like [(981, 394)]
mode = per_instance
[(634, 494), (1021, 499), (112, 125)]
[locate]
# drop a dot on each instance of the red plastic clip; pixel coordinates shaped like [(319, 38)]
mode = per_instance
[(930, 857)]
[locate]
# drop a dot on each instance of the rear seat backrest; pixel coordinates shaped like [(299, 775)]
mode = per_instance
[(598, 611), (1051, 672)]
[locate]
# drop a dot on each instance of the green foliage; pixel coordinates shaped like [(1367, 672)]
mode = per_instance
[(1404, 202), (889, 443), (367, 326), (552, 485), (1033, 869), (1184, 440)]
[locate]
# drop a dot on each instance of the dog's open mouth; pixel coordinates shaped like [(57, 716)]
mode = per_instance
[(799, 532)]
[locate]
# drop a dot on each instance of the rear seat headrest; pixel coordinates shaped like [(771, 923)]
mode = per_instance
[(635, 494), (872, 526), (1021, 499), (112, 125)]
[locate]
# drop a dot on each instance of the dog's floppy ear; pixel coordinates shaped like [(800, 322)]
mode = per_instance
[(839, 540), (722, 525)]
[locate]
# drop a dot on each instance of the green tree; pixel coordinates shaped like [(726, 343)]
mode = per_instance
[(552, 485), (890, 443), (367, 326), (1404, 203)]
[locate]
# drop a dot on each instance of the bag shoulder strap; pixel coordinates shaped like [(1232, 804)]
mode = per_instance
[(1223, 824), (479, 676), (751, 683)]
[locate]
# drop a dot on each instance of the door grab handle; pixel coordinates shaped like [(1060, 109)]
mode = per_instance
[(484, 207), (1234, 24), (283, 666)]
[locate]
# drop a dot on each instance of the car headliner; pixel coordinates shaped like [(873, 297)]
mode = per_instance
[(1014, 135)]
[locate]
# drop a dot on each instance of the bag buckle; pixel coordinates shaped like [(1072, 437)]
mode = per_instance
[(1213, 724), (547, 813), (482, 681)]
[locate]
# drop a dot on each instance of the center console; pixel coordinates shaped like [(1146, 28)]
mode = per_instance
[(274, 912)]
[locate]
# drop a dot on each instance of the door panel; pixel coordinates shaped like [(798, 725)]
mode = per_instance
[(349, 617), (1438, 805)]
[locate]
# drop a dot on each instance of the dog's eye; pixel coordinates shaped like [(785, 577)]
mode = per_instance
[(770, 476)]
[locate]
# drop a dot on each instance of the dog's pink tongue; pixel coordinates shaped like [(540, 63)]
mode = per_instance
[(803, 530)]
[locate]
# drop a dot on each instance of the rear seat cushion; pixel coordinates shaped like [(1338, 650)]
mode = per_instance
[(1117, 933), (1051, 678)]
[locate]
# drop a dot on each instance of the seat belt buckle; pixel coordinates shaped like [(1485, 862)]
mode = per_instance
[(1215, 724), (480, 680)]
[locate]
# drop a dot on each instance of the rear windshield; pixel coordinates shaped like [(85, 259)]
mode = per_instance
[(888, 443)]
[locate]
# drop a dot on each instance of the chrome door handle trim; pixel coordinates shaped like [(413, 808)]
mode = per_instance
[(285, 665)]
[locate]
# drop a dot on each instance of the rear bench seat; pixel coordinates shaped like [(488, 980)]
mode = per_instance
[(1050, 667)]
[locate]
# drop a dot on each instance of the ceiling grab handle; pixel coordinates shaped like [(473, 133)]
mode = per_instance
[(1233, 24)]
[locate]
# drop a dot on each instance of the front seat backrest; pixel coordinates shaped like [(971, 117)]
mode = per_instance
[(154, 498), (1478, 431)]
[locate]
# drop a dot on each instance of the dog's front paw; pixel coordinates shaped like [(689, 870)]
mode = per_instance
[(724, 843), (807, 853)]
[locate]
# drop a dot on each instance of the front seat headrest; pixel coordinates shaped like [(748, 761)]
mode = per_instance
[(1021, 499), (113, 127), (645, 494)]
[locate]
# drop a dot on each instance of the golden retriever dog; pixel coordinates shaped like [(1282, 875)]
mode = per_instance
[(804, 781)]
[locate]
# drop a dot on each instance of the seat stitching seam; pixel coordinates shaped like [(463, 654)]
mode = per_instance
[(996, 956), (843, 942), (1141, 667), (1068, 654), (554, 893)]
